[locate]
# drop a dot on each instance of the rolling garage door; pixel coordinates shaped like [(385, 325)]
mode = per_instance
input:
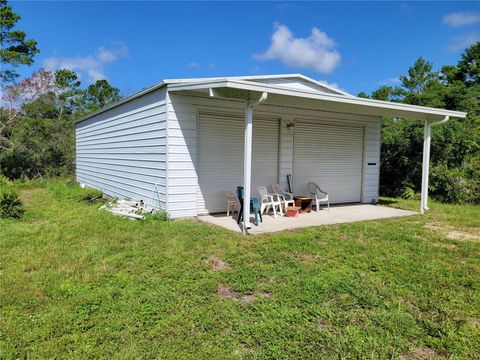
[(331, 156), (220, 157)]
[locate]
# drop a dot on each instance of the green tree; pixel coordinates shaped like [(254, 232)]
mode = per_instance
[(469, 65), (422, 85), (18, 97), (67, 91), (420, 75), (455, 152), (99, 95), (38, 131), (385, 93), (15, 49)]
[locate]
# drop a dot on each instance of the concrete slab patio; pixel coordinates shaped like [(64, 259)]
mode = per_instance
[(336, 215)]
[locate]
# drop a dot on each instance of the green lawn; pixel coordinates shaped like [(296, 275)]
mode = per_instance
[(79, 283)]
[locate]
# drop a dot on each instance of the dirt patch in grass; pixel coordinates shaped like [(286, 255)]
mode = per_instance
[(40, 294), (104, 267), (474, 321), (449, 246), (421, 354), (361, 239), (244, 353), (28, 194), (453, 233), (217, 264), (225, 292), (272, 280), (322, 324), (247, 299)]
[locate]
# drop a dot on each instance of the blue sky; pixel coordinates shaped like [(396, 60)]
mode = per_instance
[(356, 45)]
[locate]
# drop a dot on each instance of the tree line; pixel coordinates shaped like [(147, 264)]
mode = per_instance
[(38, 114), (455, 149)]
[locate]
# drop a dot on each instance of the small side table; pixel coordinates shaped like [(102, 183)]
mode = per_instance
[(304, 203)]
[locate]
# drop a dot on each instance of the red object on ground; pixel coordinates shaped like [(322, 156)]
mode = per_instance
[(293, 211)]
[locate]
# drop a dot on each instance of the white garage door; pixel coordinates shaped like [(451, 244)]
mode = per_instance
[(331, 156), (220, 157)]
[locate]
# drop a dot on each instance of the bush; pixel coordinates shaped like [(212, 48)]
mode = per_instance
[(4, 181), (11, 206), (458, 185), (42, 147), (408, 193)]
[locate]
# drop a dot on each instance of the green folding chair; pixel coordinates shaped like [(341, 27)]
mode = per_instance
[(254, 206)]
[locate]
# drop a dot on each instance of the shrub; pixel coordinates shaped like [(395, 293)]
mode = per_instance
[(4, 181), (408, 193), (458, 185), (11, 206)]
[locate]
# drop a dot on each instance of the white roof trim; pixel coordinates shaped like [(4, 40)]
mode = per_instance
[(124, 100), (294, 76), (401, 109), (262, 77), (245, 83)]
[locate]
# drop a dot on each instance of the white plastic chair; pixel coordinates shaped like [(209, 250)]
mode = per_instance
[(287, 198), (269, 201), (319, 196), (233, 204)]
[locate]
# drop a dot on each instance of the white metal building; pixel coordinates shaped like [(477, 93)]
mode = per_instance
[(180, 143)]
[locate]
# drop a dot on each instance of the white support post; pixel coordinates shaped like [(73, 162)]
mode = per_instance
[(247, 166), (427, 135)]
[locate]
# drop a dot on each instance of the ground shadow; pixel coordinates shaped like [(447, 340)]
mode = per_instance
[(387, 201)]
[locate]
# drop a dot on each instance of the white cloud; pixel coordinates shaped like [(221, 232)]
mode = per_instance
[(193, 65), (389, 81), (92, 65), (461, 42), (333, 85), (317, 52), (461, 18)]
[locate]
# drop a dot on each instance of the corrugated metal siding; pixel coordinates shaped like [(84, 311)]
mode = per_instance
[(331, 156), (371, 161), (182, 130), (220, 160), (286, 150), (182, 158), (122, 152)]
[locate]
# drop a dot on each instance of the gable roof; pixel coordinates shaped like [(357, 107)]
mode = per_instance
[(281, 80), (296, 85)]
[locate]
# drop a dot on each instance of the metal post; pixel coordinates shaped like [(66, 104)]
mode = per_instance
[(247, 165), (425, 165)]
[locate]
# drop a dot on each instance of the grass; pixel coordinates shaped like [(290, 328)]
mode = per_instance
[(79, 283)]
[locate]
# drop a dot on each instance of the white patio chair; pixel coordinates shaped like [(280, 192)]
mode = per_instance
[(287, 198), (319, 196), (269, 201), (233, 204)]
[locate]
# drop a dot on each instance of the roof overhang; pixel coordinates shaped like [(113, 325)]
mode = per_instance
[(348, 104)]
